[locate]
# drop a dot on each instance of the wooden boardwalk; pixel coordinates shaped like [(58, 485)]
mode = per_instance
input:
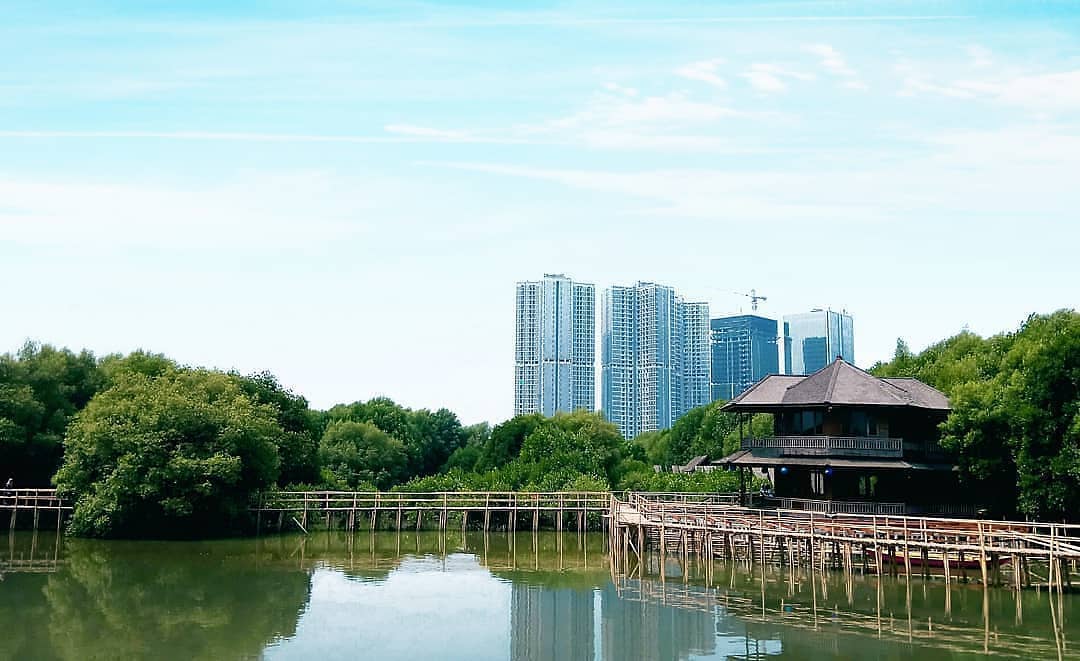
[(395, 510), (844, 541), (32, 502)]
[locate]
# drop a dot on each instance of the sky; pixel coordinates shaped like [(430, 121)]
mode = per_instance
[(344, 193)]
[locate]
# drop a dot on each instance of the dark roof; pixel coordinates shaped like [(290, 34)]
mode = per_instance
[(839, 383), (749, 458)]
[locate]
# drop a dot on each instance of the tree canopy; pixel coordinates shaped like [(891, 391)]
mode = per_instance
[(171, 455), (1015, 421)]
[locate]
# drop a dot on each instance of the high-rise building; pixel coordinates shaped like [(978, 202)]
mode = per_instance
[(654, 357), (745, 349), (555, 346), (814, 339), (697, 363), (551, 623)]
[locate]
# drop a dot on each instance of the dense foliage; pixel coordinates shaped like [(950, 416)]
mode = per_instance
[(577, 451), (151, 448), (359, 454), (41, 388), (1015, 424), (705, 430), (175, 454)]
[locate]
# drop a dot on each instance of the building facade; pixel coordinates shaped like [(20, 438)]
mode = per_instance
[(554, 346), (654, 357), (815, 339), (841, 434), (745, 349)]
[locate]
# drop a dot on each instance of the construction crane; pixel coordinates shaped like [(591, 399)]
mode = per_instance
[(754, 298)]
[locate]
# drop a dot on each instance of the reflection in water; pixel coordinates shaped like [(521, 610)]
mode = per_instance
[(425, 595)]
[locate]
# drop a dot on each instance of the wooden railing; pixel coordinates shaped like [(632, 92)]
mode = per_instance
[(337, 501), (31, 499), (836, 506), (851, 446), (686, 497), (1042, 540)]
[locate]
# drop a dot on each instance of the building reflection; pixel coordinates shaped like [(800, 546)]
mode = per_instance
[(617, 624)]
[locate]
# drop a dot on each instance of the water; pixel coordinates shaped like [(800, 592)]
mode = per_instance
[(426, 596)]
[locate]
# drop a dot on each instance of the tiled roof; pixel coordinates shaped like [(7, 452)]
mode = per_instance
[(839, 383)]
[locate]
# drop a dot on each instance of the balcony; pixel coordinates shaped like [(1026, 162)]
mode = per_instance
[(827, 446)]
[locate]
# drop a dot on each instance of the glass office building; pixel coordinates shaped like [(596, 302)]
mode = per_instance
[(654, 357), (814, 339), (745, 349), (554, 346)]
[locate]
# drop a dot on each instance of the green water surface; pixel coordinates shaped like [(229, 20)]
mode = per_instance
[(431, 596)]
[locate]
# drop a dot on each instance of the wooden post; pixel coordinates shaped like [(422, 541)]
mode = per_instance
[(907, 551), (982, 555)]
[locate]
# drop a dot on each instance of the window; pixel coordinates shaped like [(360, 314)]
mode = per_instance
[(867, 486), (817, 483)]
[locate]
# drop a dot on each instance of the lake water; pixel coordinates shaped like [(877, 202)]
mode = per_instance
[(430, 596)]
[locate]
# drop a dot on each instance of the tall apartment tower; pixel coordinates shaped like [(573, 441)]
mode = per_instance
[(814, 339), (654, 357), (554, 346), (745, 349)]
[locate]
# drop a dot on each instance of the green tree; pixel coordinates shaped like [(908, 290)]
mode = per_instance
[(432, 439), (506, 439), (1015, 404), (41, 388), (178, 454), (299, 448), (657, 447), (355, 453)]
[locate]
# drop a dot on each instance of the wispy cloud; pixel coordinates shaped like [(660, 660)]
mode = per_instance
[(831, 60), (772, 78), (704, 71), (1045, 93), (247, 211), (426, 132), (397, 133), (980, 56), (216, 136)]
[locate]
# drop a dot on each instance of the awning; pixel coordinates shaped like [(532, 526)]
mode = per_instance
[(748, 458)]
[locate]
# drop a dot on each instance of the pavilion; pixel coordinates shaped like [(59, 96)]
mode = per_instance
[(847, 441)]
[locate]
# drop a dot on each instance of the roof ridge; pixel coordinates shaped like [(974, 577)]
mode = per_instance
[(832, 380)]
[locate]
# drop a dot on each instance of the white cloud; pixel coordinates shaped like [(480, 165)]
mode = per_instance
[(978, 176), (771, 78), (981, 56), (704, 71), (249, 211), (620, 89), (426, 132), (831, 60), (1041, 93), (214, 136), (670, 111)]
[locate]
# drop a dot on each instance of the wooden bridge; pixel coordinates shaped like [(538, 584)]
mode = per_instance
[(841, 541), (33, 502), (507, 509)]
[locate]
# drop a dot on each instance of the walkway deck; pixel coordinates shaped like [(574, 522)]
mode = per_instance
[(840, 540)]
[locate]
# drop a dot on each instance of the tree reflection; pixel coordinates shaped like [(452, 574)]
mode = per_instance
[(168, 601)]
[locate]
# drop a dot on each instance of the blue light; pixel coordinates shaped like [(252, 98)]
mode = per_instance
[(783, 470), (828, 471)]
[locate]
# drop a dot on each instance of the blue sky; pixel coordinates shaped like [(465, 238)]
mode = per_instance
[(345, 192)]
